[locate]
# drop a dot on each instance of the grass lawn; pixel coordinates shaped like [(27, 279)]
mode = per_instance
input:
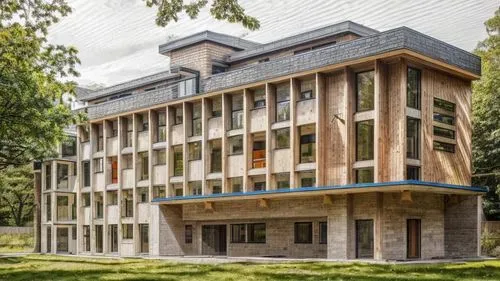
[(50, 267), (16, 243)]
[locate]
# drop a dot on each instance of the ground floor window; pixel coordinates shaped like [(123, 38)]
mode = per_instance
[(86, 238), (364, 239), (256, 232), (128, 231), (303, 233), (188, 234), (238, 233), (323, 232), (98, 239), (113, 238), (144, 237)]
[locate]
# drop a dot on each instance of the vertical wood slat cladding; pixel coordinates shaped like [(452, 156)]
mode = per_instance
[(439, 166), (335, 130)]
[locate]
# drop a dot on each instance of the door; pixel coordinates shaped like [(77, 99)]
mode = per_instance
[(113, 238), (62, 239), (413, 238), (98, 238), (144, 231), (214, 240), (364, 239)]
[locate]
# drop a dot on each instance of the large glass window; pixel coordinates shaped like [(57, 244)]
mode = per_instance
[(236, 112), (216, 159), (144, 158), (259, 154), (178, 161), (256, 232), (100, 138), (365, 91), (128, 205), (307, 144), (160, 157), (112, 197), (161, 133), (412, 173), (129, 123), (195, 187), (238, 233), (412, 138), (413, 88), (237, 184), (62, 208), (364, 140), (303, 233), (69, 147), (98, 165), (283, 138), (364, 175), (128, 231), (196, 130), (283, 181), (283, 102), (194, 151), (235, 145), (86, 173), (62, 176)]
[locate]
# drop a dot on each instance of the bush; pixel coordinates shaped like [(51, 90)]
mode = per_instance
[(490, 243), (16, 242)]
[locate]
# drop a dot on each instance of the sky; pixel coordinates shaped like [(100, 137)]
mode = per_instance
[(118, 39)]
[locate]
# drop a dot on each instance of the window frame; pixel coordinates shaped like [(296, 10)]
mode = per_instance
[(418, 99), (356, 91), (309, 239)]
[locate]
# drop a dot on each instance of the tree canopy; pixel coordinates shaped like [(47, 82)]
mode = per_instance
[(34, 76), (228, 10), (486, 120), (16, 195)]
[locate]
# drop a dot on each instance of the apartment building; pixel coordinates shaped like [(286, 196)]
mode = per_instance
[(342, 142)]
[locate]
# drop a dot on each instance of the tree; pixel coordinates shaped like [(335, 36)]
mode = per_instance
[(16, 194), (229, 10), (32, 112), (485, 119)]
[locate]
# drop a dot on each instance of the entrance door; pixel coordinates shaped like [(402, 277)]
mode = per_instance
[(413, 238), (364, 239), (144, 231), (98, 238), (62, 239), (214, 240), (113, 238)]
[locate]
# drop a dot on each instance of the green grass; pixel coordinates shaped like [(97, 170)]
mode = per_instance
[(51, 267), (10, 243)]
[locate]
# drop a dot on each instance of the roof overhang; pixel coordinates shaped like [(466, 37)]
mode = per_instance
[(399, 186)]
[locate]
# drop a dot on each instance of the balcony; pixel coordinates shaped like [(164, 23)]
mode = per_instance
[(85, 150), (177, 134), (128, 178), (281, 160), (195, 170), (215, 128), (99, 182), (112, 146), (235, 164), (160, 174), (143, 141), (258, 120), (306, 112)]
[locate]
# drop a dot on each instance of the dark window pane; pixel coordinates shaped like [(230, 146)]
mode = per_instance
[(238, 233), (412, 138), (364, 140), (323, 232), (188, 234), (283, 138), (258, 186), (364, 91), (413, 88), (303, 232), (256, 233), (443, 118), (447, 147), (412, 173), (364, 175), (442, 132), (445, 105)]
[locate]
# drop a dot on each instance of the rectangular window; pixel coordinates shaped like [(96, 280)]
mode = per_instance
[(161, 132), (445, 133), (112, 197), (128, 205), (48, 207), (159, 191), (323, 232), (237, 184), (444, 105), (194, 151), (412, 138), (259, 154), (178, 190), (236, 112), (195, 187), (99, 209), (127, 161), (143, 195), (178, 161), (235, 145), (62, 208), (307, 145), (130, 131), (86, 199), (188, 234), (217, 107), (259, 98), (364, 140), (216, 186), (365, 91), (128, 231), (160, 157), (412, 173), (216, 160), (100, 138), (143, 122), (62, 176), (178, 115), (69, 147), (283, 138), (114, 169), (259, 186), (444, 118), (364, 175), (307, 89), (73, 232), (114, 129), (256, 232), (283, 181), (196, 125), (144, 158), (443, 146), (283, 102), (308, 180), (413, 88), (48, 176), (86, 237), (303, 233), (98, 165), (238, 233)]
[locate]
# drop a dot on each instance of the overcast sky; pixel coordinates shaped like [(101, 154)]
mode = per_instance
[(118, 39)]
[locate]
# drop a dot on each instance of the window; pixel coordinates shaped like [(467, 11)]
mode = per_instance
[(444, 105), (238, 233), (443, 146), (160, 157), (114, 169), (98, 165), (218, 69), (99, 208), (48, 207), (62, 176), (216, 186), (159, 191), (100, 141), (142, 195), (187, 87), (259, 186), (235, 145), (308, 180), (259, 98), (412, 173), (194, 151), (303, 232), (127, 161), (69, 147), (144, 158), (86, 237), (195, 187), (178, 161), (62, 208), (364, 140), (114, 129), (143, 122), (73, 232), (196, 126), (178, 190), (259, 154), (307, 144), (283, 102), (86, 199), (323, 232), (445, 133), (128, 231), (188, 234), (307, 89), (413, 88), (236, 112), (216, 160), (364, 175), (112, 197), (48, 176), (283, 138), (161, 132), (412, 138), (256, 232), (130, 131), (283, 181), (237, 184), (178, 116), (364, 91), (128, 205), (217, 107), (84, 136), (444, 118)]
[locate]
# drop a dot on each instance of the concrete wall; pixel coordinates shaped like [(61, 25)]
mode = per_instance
[(461, 225)]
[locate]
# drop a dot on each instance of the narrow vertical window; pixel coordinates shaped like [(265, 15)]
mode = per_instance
[(283, 102), (365, 91), (413, 88), (364, 140), (412, 138), (196, 125)]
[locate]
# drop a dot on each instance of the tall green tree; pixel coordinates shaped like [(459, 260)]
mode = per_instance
[(486, 118), (228, 10), (34, 76), (16, 194)]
